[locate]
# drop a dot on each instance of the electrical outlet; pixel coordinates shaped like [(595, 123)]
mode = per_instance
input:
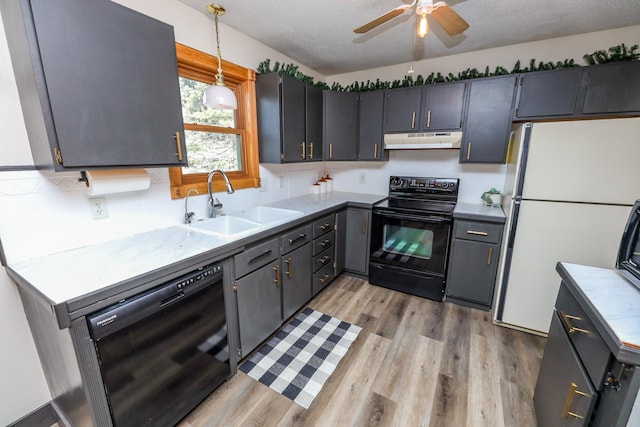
[(362, 178), (98, 207)]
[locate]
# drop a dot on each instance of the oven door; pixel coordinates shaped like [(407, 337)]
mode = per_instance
[(415, 242), (409, 252)]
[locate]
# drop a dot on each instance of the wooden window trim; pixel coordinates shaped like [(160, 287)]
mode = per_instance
[(197, 65)]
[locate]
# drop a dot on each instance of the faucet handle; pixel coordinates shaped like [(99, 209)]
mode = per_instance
[(217, 204), (188, 216)]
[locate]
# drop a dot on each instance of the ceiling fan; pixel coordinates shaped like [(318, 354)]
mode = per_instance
[(452, 23)]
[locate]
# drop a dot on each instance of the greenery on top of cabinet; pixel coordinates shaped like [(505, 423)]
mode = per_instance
[(616, 53)]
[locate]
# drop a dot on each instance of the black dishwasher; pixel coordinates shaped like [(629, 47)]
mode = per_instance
[(163, 351)]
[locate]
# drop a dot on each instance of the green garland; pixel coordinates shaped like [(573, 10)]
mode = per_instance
[(613, 54)]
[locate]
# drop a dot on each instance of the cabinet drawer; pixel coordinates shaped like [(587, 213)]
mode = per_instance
[(295, 239), (324, 242), (324, 225), (593, 352), (323, 259), (255, 257), (322, 277), (478, 231)]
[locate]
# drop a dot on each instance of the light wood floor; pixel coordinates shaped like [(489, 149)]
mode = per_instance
[(416, 363)]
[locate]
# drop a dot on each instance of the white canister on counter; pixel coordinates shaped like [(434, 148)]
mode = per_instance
[(315, 188), (329, 182), (323, 185)]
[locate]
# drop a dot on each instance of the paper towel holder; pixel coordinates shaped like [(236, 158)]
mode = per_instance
[(83, 178)]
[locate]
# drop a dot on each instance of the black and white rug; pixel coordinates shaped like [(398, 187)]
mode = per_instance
[(298, 360)]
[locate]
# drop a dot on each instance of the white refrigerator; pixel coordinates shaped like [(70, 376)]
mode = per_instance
[(568, 192)]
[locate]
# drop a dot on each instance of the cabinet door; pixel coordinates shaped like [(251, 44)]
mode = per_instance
[(340, 125), (296, 280), (293, 120), (258, 298), (357, 240), (370, 122), (402, 109), (472, 271), (111, 82), (313, 121), (442, 107), (488, 122), (548, 93), (563, 395), (613, 88)]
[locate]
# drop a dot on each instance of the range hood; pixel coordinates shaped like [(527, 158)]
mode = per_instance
[(422, 140)]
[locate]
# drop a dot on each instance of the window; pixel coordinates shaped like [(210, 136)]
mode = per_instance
[(215, 139)]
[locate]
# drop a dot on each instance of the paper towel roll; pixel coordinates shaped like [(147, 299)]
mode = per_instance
[(101, 182)]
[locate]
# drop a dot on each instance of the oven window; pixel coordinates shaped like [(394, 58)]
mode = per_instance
[(413, 242)]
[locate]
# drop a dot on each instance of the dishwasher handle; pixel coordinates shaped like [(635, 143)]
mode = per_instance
[(130, 310)]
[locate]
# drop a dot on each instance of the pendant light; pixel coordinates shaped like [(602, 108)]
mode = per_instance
[(218, 95)]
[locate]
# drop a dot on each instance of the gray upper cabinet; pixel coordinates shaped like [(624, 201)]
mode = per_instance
[(402, 109), (340, 125), (548, 93), (370, 123), (289, 119), (613, 88), (442, 106), (98, 84), (488, 122)]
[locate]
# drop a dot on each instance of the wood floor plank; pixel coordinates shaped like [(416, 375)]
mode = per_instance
[(456, 329), (484, 403), (420, 383), (380, 298), (377, 411), (449, 406), (517, 405)]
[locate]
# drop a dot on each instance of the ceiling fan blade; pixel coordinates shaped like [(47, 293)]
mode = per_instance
[(383, 18), (452, 23)]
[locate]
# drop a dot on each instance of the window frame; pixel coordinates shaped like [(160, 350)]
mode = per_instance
[(197, 65)]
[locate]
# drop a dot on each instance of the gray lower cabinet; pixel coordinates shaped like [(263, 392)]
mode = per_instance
[(563, 395), (88, 74), (357, 240), (295, 270), (324, 252), (473, 264)]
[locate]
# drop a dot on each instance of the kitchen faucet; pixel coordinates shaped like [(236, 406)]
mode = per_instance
[(188, 215), (215, 204)]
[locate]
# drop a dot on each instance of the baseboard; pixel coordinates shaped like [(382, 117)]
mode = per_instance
[(44, 416)]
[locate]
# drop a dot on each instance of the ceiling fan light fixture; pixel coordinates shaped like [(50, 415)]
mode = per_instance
[(423, 27), (219, 95)]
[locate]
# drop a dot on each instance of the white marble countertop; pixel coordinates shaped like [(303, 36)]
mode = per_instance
[(478, 211), (614, 302), (65, 278)]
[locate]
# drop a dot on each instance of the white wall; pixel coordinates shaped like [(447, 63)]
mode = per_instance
[(41, 214)]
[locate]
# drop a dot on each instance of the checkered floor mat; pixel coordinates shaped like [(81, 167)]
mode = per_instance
[(302, 355)]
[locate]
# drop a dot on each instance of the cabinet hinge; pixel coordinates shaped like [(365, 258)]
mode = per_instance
[(235, 286), (58, 155), (335, 227), (517, 110), (239, 351), (281, 156)]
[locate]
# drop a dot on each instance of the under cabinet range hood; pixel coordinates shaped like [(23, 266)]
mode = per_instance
[(422, 140)]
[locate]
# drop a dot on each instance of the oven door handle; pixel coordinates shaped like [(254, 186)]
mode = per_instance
[(428, 218)]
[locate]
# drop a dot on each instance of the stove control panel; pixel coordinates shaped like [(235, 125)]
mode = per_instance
[(423, 184)]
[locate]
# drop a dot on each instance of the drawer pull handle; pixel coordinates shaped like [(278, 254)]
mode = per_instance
[(477, 233), (289, 263), (325, 226), (295, 239), (266, 252), (568, 318), (324, 278), (324, 259), (277, 279), (325, 242), (573, 390)]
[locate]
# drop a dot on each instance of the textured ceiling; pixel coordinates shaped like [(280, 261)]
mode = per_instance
[(319, 34)]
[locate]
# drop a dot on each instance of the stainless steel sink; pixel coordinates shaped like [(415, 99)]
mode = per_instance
[(226, 226), (266, 215)]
